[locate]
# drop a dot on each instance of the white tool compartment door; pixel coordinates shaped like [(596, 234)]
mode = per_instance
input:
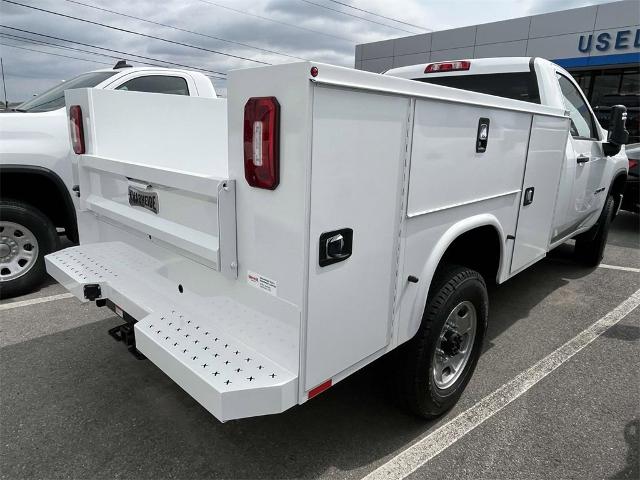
[(358, 155), (539, 190)]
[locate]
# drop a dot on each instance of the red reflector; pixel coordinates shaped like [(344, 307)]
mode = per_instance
[(319, 389), (448, 66), (261, 142), (76, 128), (632, 163)]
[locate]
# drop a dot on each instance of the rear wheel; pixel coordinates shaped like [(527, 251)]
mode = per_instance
[(438, 362), (590, 245), (26, 236)]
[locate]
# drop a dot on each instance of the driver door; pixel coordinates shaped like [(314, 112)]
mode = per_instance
[(585, 160)]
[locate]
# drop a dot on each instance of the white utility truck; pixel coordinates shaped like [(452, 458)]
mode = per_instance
[(352, 213), (36, 183)]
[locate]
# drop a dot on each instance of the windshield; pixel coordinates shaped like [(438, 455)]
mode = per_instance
[(53, 98)]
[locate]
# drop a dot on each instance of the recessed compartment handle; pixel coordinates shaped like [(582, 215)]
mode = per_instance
[(528, 196), (482, 138), (335, 246)]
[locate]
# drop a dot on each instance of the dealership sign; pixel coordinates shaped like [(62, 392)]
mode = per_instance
[(606, 41)]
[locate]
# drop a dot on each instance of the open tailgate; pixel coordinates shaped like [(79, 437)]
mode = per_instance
[(158, 175)]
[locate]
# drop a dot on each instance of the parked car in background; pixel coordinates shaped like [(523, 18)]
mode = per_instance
[(36, 190)]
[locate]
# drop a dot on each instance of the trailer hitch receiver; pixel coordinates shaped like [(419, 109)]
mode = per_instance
[(92, 291), (125, 333)]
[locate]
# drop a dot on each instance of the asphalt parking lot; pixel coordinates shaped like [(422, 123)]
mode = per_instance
[(75, 404)]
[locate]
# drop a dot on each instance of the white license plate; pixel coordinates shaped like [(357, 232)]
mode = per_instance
[(143, 198)]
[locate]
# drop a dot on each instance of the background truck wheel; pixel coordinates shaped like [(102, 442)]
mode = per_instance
[(590, 245), (439, 361), (26, 236)]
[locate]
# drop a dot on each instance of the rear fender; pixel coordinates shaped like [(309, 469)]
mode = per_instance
[(434, 259)]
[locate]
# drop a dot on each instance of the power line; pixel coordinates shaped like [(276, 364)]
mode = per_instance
[(10, 36), (95, 7), (15, 38), (268, 19), (378, 15), (127, 54), (120, 52), (56, 54), (134, 33), (352, 15)]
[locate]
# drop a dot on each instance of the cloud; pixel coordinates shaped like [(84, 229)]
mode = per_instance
[(296, 28)]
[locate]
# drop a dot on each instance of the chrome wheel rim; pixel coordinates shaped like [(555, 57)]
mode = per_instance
[(18, 250), (455, 344)]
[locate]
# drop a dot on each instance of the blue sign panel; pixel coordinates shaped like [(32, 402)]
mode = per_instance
[(620, 59)]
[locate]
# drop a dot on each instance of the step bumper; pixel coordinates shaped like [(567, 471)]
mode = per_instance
[(217, 368)]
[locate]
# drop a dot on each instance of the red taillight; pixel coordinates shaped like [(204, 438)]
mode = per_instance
[(77, 130), (632, 163), (261, 142), (448, 66)]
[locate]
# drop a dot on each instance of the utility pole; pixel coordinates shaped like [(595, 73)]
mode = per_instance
[(4, 86)]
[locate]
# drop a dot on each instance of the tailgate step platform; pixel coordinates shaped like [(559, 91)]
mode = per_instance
[(228, 379), (215, 348)]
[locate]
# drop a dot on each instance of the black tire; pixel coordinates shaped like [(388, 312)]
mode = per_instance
[(590, 245), (46, 236), (451, 286)]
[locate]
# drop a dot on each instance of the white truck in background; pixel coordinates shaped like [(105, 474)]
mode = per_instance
[(36, 191), (352, 214)]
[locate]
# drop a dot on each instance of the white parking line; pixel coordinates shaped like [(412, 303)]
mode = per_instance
[(409, 460), (33, 301), (616, 267)]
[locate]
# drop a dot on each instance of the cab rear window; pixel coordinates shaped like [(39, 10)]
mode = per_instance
[(516, 85)]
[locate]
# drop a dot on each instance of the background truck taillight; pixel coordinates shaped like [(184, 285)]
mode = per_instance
[(261, 142), (77, 130)]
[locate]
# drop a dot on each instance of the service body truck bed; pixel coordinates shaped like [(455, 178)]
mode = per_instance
[(256, 299)]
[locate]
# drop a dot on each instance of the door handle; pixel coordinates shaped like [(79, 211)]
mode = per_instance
[(582, 158), (335, 246), (483, 135), (528, 196)]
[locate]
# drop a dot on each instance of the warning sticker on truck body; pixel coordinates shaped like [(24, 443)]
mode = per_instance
[(263, 283)]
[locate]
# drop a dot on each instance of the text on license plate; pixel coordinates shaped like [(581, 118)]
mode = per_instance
[(143, 198)]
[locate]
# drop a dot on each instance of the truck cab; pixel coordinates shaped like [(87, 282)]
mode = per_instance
[(36, 170), (588, 173)]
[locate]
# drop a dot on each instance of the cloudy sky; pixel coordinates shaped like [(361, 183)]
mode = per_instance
[(270, 31)]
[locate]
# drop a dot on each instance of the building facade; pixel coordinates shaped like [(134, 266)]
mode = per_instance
[(599, 45)]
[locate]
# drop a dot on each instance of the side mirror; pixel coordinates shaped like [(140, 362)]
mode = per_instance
[(618, 134)]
